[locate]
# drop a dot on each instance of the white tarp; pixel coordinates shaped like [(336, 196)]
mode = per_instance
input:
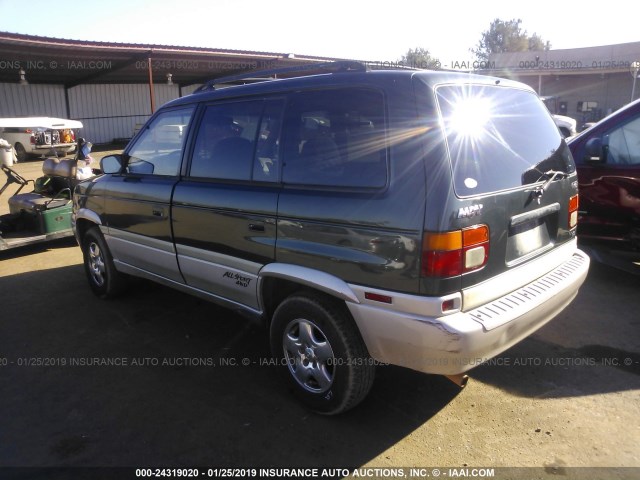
[(43, 122)]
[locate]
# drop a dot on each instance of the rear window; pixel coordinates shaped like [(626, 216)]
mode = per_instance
[(499, 138)]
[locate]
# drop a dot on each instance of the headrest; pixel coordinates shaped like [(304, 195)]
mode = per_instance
[(59, 168)]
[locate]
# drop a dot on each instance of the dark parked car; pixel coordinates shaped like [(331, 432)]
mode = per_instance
[(607, 157), (422, 219)]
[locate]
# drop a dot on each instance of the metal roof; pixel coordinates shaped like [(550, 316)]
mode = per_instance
[(74, 62), (618, 58)]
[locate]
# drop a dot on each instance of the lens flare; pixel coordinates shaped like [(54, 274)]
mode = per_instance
[(470, 117)]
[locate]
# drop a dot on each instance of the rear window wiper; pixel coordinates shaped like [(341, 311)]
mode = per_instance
[(550, 176)]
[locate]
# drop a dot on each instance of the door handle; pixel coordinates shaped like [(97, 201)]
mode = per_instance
[(158, 212), (256, 227)]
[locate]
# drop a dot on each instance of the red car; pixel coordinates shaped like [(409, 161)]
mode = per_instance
[(607, 158)]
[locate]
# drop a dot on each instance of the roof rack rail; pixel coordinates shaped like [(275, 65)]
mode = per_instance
[(266, 75)]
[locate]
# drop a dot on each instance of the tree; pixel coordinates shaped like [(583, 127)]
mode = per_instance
[(419, 58), (507, 36), (537, 43)]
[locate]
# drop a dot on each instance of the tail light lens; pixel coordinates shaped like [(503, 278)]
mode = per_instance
[(448, 254), (573, 210)]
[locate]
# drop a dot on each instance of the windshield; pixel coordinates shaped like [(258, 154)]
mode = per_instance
[(499, 138)]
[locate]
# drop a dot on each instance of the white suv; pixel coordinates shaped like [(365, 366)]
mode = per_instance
[(566, 125)]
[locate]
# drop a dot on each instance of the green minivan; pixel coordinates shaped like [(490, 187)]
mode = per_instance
[(425, 219)]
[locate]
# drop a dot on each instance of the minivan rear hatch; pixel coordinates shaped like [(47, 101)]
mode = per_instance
[(512, 197)]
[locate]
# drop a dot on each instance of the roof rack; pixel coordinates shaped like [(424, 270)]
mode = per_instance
[(271, 74)]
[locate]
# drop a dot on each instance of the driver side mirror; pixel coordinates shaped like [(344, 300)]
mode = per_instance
[(594, 151), (111, 164)]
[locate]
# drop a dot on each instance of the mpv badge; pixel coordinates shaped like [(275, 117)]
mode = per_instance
[(470, 211)]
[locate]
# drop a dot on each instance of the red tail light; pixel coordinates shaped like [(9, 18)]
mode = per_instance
[(573, 210), (453, 253)]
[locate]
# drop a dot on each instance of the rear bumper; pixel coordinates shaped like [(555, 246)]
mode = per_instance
[(452, 344), (45, 149)]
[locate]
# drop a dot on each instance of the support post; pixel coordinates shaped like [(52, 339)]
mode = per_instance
[(151, 93)]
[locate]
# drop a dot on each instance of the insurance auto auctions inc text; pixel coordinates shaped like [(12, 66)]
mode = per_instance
[(374, 472)]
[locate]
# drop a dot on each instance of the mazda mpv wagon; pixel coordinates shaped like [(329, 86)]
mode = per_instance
[(415, 218)]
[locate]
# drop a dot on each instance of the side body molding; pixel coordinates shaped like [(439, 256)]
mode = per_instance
[(322, 281)]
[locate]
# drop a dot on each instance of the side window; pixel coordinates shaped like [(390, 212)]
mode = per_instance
[(624, 144), (337, 138), (159, 149), (226, 141), (266, 167)]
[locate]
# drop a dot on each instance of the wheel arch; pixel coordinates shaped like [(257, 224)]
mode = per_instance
[(277, 281), (84, 220)]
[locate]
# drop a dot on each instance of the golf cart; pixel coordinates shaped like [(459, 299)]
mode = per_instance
[(45, 213)]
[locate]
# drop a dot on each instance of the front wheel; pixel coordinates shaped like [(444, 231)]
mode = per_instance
[(322, 353), (105, 281)]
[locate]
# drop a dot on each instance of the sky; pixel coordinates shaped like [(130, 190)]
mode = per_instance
[(382, 31)]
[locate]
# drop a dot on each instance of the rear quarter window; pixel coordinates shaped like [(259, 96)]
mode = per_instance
[(498, 138), (336, 138)]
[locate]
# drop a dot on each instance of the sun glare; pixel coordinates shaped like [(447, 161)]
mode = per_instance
[(470, 117)]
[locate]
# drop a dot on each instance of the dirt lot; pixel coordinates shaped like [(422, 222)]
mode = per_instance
[(177, 392)]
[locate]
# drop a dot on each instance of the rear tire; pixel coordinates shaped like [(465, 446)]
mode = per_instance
[(21, 153), (321, 353), (105, 281)]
